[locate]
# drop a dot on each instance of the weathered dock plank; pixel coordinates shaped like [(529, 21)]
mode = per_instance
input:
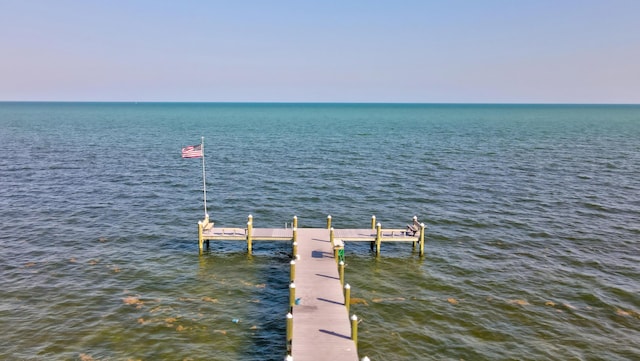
[(259, 234), (321, 327), (369, 235), (272, 234)]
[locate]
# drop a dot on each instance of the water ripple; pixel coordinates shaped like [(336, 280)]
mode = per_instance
[(532, 241)]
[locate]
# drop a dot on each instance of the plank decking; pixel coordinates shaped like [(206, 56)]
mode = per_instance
[(321, 327)]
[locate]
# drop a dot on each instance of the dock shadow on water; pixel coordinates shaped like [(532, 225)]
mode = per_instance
[(256, 289)]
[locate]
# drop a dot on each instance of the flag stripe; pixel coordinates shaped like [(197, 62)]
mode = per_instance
[(192, 151)]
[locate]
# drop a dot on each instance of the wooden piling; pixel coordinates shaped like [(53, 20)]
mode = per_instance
[(422, 227), (378, 238), (331, 236), (347, 297), (292, 295), (354, 330), (200, 236), (249, 238), (289, 331)]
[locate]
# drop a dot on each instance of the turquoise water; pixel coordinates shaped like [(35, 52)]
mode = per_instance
[(532, 246)]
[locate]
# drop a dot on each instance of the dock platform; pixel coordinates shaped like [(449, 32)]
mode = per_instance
[(376, 234), (318, 327), (321, 328)]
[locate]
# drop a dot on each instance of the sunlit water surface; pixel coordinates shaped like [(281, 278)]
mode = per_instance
[(533, 216)]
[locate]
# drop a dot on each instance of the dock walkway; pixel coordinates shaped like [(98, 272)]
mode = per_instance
[(321, 328)]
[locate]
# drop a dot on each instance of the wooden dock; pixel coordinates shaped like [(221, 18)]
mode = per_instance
[(376, 234), (321, 328)]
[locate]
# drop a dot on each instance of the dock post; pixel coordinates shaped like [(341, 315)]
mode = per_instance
[(341, 271), (422, 227), (289, 331), (347, 297), (293, 270), (373, 226), (206, 222), (295, 235), (333, 244), (200, 237), (292, 295), (331, 236), (295, 222), (378, 238), (329, 222), (295, 250), (249, 235), (354, 330), (415, 221)]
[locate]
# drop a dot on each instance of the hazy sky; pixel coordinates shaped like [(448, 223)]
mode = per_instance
[(495, 51)]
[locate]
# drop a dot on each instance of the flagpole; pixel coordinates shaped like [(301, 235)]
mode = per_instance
[(204, 182)]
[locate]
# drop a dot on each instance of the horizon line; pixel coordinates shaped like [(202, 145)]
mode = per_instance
[(304, 102)]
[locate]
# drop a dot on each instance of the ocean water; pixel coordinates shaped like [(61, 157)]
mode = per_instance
[(533, 215)]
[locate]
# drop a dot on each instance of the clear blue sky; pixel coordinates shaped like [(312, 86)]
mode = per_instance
[(496, 51)]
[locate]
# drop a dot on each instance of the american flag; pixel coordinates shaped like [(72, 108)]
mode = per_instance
[(192, 151)]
